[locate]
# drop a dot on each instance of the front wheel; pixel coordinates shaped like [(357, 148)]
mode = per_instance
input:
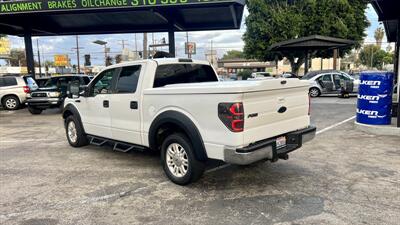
[(34, 111), (178, 160), (314, 92), (75, 133)]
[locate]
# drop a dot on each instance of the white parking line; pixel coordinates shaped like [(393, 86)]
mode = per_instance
[(335, 125)]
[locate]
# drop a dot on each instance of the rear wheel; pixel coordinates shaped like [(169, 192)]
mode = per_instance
[(178, 160), (11, 102), (74, 131), (34, 110), (315, 92)]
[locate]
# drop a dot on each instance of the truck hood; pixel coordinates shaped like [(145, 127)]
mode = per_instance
[(229, 86)]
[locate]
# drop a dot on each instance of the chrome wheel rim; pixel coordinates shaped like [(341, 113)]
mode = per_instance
[(177, 160), (71, 128), (11, 103), (314, 92)]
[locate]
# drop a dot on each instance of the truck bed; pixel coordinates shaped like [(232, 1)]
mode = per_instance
[(262, 100)]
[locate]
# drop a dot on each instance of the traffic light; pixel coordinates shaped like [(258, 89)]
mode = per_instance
[(87, 60)]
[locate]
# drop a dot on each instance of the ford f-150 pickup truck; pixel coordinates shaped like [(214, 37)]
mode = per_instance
[(178, 107)]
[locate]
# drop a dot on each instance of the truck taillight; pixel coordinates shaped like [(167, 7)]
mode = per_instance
[(26, 89), (232, 115)]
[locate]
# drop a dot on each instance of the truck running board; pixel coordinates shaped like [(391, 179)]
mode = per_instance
[(97, 141), (117, 145)]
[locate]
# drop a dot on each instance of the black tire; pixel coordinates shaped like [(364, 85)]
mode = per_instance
[(34, 111), (81, 138), (195, 168), (11, 102), (314, 92)]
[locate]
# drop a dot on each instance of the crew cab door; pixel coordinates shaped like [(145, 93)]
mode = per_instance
[(326, 83), (95, 109), (343, 82), (125, 108)]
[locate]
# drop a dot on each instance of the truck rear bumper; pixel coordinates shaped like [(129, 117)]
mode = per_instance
[(267, 150)]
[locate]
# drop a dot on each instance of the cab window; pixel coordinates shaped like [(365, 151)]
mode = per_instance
[(183, 73), (128, 79), (326, 77), (103, 83)]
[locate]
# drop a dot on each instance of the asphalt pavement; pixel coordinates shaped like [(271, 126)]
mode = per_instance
[(343, 176)]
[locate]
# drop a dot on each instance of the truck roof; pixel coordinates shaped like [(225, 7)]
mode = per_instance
[(160, 61)]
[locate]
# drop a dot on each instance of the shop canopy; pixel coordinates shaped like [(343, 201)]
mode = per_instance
[(311, 43), (314, 42), (78, 17), (29, 18)]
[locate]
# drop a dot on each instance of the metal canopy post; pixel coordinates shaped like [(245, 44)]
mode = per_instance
[(30, 63), (171, 42), (306, 64)]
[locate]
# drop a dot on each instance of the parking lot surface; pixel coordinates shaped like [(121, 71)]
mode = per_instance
[(343, 176)]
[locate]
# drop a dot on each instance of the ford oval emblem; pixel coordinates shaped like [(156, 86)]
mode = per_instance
[(282, 109)]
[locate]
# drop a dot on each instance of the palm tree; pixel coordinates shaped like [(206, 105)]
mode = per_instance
[(379, 33)]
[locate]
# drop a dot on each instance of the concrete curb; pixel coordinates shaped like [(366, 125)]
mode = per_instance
[(379, 129)]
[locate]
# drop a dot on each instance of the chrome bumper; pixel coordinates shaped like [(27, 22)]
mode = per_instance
[(267, 150)]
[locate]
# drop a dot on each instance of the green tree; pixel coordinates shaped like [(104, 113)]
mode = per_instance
[(109, 60), (378, 35), (272, 21), (245, 74), (17, 57), (233, 54), (374, 57)]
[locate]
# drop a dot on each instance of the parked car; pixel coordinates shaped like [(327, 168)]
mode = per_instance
[(52, 93), (178, 107), (288, 75), (14, 90), (331, 82), (260, 75)]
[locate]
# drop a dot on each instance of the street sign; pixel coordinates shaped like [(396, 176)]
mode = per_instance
[(53, 5), (61, 60), (4, 46), (190, 48)]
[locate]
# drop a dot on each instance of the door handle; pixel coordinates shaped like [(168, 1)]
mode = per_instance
[(106, 104), (134, 105)]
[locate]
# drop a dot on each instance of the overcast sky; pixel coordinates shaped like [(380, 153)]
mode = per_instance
[(222, 41)]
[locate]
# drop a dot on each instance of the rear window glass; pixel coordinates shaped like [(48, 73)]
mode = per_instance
[(7, 81), (183, 73), (31, 83)]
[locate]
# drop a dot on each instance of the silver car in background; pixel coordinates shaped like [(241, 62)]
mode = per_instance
[(331, 82), (14, 90)]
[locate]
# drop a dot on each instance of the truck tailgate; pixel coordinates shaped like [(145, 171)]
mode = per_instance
[(273, 112)]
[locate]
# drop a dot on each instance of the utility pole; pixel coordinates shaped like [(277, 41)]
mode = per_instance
[(78, 71), (136, 51), (145, 53), (187, 45), (122, 43), (38, 50)]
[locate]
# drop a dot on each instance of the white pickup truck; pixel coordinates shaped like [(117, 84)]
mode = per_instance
[(178, 107)]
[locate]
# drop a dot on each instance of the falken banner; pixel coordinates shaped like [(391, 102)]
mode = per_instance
[(58, 5)]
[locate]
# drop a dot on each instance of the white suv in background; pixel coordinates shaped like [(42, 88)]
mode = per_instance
[(14, 89)]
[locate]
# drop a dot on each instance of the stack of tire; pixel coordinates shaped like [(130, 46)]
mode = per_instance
[(374, 103)]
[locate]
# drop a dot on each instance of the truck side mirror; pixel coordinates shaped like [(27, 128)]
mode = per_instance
[(73, 89)]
